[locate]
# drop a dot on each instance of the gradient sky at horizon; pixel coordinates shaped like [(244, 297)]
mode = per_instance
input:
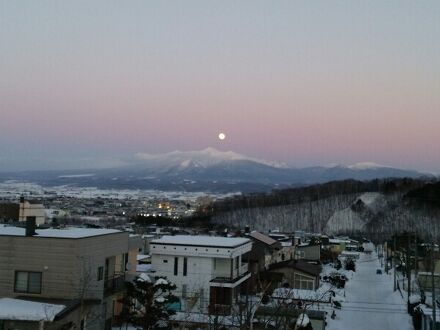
[(303, 82)]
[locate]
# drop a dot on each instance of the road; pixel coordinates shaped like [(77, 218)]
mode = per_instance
[(370, 302)]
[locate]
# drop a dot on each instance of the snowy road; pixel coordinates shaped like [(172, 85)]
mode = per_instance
[(370, 302)]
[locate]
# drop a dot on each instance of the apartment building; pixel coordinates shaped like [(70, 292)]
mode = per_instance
[(82, 268), (32, 208), (208, 271)]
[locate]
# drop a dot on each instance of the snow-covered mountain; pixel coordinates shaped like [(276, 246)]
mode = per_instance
[(209, 170), (203, 158)]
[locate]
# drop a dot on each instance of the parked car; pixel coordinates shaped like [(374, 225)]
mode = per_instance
[(379, 271)]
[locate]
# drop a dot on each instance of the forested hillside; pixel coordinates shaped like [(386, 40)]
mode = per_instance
[(376, 209)]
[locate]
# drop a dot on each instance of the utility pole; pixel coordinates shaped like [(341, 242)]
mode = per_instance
[(408, 264), (434, 313), (393, 260), (416, 253)]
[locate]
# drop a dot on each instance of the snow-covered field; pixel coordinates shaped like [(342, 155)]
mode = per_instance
[(14, 189), (370, 303)]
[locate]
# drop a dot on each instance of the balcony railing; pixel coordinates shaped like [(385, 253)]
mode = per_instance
[(219, 309), (114, 284), (229, 282)]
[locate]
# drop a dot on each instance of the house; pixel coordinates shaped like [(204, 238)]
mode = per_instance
[(208, 271), (264, 251), (78, 267), (298, 274), (308, 251)]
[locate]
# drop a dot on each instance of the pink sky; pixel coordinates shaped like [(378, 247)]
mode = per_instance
[(308, 84)]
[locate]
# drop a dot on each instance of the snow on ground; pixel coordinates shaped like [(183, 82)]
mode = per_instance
[(369, 198), (370, 302), (12, 189)]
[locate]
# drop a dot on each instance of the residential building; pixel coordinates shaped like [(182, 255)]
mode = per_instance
[(298, 274), (264, 251), (308, 251), (208, 271), (79, 267), (32, 208)]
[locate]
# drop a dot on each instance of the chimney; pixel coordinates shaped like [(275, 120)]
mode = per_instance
[(247, 229), (21, 199), (30, 226)]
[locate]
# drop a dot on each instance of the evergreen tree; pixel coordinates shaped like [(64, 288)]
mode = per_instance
[(146, 303)]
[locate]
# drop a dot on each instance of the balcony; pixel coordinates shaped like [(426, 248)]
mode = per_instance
[(227, 282), (114, 284)]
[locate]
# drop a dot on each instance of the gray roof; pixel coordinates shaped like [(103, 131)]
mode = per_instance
[(201, 241), (262, 238)]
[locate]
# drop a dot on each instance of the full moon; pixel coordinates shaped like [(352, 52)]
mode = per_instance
[(222, 136)]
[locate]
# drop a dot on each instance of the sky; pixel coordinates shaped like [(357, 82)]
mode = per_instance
[(89, 83)]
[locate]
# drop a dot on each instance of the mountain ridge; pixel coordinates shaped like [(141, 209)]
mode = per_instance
[(208, 170)]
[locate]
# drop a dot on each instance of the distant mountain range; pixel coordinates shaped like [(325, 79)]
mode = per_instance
[(207, 170)]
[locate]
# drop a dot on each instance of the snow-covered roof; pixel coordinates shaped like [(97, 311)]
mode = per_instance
[(23, 310), (351, 253), (202, 241), (338, 241), (71, 232), (142, 257)]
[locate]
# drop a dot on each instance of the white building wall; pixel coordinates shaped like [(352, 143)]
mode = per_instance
[(201, 269), (32, 210), (199, 274)]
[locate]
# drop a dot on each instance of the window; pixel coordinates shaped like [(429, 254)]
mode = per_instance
[(124, 261), (303, 282), (165, 261), (100, 273), (176, 265), (215, 263), (236, 262), (185, 266), (28, 282)]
